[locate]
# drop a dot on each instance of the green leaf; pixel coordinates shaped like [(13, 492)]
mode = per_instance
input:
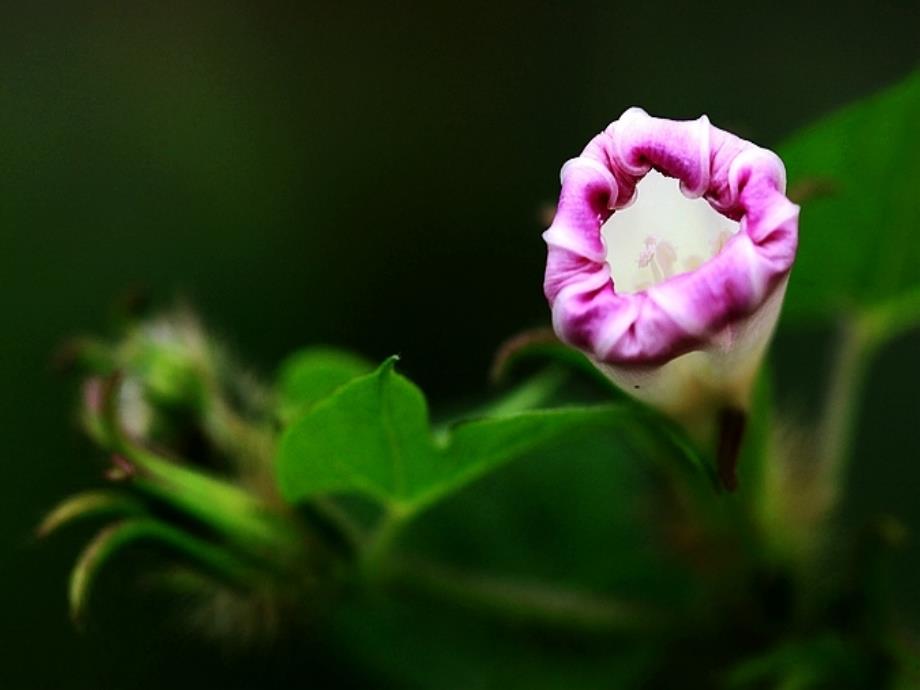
[(372, 436), (857, 173), (476, 447), (537, 391), (590, 515), (366, 437), (311, 374)]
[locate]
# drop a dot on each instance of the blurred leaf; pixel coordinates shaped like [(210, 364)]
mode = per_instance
[(416, 646), (906, 654), (313, 373), (534, 392), (478, 446), (857, 173), (755, 448), (590, 513), (372, 436), (824, 661)]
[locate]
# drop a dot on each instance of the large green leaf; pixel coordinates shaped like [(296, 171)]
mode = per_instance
[(857, 173), (372, 436), (590, 515)]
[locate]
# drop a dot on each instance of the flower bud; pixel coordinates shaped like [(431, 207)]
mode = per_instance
[(170, 356)]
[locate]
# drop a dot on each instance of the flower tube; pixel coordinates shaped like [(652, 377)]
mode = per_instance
[(673, 298)]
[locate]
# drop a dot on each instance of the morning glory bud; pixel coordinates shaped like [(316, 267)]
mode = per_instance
[(668, 260)]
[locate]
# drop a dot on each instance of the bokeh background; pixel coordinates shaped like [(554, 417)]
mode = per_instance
[(369, 175)]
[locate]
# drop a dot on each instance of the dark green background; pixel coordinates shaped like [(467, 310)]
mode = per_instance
[(370, 176)]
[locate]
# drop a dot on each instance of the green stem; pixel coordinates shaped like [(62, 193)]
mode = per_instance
[(525, 602), (841, 406), (378, 547), (862, 336), (522, 602), (350, 530)]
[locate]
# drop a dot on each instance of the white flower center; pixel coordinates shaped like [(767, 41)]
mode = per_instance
[(661, 235)]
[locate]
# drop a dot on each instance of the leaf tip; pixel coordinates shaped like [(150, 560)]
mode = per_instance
[(388, 365)]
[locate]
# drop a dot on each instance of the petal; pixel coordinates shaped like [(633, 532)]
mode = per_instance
[(690, 311)]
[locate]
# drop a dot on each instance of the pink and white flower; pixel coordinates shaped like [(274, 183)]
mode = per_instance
[(674, 298)]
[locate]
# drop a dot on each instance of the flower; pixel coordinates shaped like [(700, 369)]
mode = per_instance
[(674, 299)]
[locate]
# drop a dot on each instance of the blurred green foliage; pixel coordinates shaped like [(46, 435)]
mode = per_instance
[(858, 173)]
